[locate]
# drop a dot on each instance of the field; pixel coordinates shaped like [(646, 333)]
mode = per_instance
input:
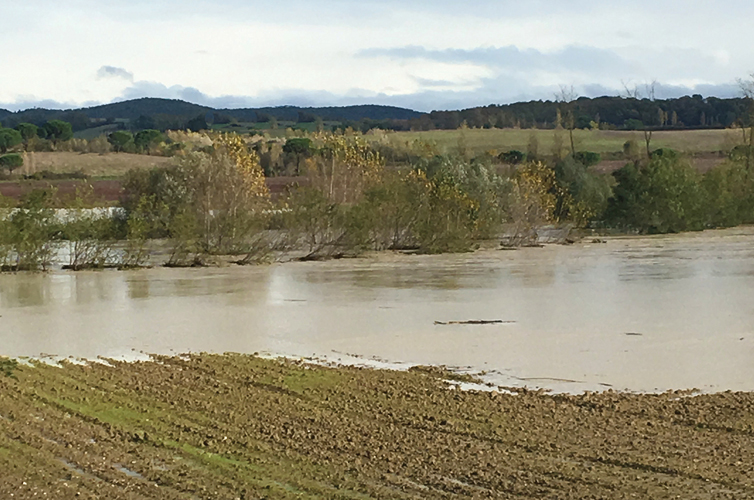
[(235, 426), (478, 141), (90, 164)]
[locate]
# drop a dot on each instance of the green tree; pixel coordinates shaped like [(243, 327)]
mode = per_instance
[(120, 139), (9, 138), (28, 131), (58, 131), (11, 161), (145, 140), (300, 147), (665, 195)]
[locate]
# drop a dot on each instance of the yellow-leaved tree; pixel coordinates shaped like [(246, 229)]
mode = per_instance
[(345, 167), (532, 201)]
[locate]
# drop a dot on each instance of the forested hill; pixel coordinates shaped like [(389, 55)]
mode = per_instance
[(173, 113), (607, 112), (688, 112)]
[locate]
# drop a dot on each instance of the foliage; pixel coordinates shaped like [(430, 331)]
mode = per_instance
[(587, 158), (661, 196), (9, 138), (138, 229), (30, 231), (58, 131), (531, 202), (211, 202), (581, 195), (146, 140), (729, 191), (300, 148), (344, 167), (8, 366), (11, 161), (120, 140), (513, 157), (90, 231), (28, 131)]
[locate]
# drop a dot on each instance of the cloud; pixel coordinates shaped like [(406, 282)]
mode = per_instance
[(574, 58), (114, 72)]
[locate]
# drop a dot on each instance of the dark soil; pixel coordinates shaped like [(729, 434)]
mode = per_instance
[(235, 426)]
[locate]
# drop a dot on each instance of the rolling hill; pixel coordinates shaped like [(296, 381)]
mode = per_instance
[(181, 110)]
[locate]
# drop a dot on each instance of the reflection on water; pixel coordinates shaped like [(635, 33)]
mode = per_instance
[(688, 297)]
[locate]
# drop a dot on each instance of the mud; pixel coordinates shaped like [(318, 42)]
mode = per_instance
[(237, 426)]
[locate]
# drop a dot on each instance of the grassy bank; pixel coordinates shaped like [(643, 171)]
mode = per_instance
[(239, 426)]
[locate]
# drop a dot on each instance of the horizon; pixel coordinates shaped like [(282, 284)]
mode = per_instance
[(89, 106), (411, 54)]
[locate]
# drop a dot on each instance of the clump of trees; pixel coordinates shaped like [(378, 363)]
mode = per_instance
[(213, 202)]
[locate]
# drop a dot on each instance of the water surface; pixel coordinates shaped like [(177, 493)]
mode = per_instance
[(644, 314)]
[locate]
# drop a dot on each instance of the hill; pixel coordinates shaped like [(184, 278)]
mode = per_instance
[(147, 106), (4, 113), (174, 113)]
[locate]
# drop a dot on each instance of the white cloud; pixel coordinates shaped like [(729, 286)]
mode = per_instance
[(113, 72)]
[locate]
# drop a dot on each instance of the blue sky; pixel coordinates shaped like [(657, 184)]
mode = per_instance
[(419, 54)]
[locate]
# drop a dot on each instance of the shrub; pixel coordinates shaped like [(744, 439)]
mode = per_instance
[(512, 157), (587, 158), (663, 196), (730, 195)]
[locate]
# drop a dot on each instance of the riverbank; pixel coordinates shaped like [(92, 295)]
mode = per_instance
[(236, 426)]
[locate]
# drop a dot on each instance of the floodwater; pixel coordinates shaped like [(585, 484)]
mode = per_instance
[(640, 314)]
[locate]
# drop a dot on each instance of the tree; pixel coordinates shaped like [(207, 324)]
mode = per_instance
[(28, 131), (197, 124), (9, 138), (11, 161), (58, 131), (649, 118), (747, 89), (664, 195), (301, 147), (565, 99), (120, 140), (147, 139)]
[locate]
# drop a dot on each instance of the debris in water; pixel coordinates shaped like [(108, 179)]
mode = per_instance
[(475, 322), (634, 334)]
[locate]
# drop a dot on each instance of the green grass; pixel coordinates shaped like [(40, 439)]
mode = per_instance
[(478, 141)]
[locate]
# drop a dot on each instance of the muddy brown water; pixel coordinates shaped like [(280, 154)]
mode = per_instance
[(639, 314)]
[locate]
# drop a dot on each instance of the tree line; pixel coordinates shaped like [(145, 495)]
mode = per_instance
[(212, 203), (630, 112)]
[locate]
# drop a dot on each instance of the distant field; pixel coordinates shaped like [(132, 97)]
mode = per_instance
[(91, 164), (600, 141)]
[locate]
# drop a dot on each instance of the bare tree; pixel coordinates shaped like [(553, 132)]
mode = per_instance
[(649, 120), (747, 89), (565, 99)]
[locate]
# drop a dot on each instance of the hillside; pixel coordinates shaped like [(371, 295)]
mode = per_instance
[(147, 106), (175, 112)]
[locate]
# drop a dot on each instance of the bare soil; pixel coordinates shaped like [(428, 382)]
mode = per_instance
[(237, 426)]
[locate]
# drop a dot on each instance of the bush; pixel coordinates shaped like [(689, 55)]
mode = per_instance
[(730, 195), (29, 232), (582, 194), (663, 196), (587, 158), (512, 157)]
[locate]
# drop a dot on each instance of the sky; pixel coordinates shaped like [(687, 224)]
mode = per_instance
[(419, 54)]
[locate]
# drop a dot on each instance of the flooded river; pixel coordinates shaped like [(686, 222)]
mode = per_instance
[(643, 314)]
